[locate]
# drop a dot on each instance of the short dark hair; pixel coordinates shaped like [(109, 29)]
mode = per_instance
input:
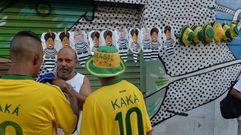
[(134, 31), (64, 34), (26, 34), (167, 28), (49, 35), (154, 29), (95, 34), (107, 33)]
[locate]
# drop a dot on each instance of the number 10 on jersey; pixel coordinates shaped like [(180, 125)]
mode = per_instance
[(119, 118)]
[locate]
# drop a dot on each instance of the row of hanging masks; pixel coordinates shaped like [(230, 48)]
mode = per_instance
[(149, 41)]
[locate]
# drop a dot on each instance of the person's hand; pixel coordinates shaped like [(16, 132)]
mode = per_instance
[(69, 93), (62, 84)]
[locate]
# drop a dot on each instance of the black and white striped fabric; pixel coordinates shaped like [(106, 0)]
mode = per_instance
[(169, 46), (124, 55), (123, 48), (170, 50), (123, 43), (135, 48), (82, 52), (155, 45), (50, 52), (147, 50), (50, 63), (135, 57), (50, 57)]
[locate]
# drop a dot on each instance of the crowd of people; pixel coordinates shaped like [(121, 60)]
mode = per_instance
[(66, 104)]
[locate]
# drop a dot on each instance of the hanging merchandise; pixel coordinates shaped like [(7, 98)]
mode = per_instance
[(198, 34), (218, 32), (146, 43), (169, 40), (107, 39), (208, 33), (122, 42), (81, 47), (64, 38), (227, 31), (155, 33), (234, 30), (187, 36), (94, 40), (135, 46), (50, 52)]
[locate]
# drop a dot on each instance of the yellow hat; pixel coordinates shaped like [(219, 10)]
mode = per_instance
[(105, 62), (227, 31), (187, 36), (198, 34), (208, 33), (234, 30), (218, 32)]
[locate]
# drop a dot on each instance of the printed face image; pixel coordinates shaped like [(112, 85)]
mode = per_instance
[(154, 36), (65, 42), (108, 40), (122, 34), (96, 42), (50, 43), (168, 34), (78, 37), (145, 35)]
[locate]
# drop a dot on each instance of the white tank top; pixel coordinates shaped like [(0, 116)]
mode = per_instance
[(76, 82)]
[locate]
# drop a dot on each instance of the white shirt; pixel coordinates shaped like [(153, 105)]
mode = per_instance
[(76, 82)]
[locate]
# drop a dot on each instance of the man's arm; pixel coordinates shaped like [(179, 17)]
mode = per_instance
[(85, 90), (235, 93), (70, 94)]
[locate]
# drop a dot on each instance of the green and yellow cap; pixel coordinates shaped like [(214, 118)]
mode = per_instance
[(208, 33), (105, 62), (227, 31), (187, 35), (198, 34), (218, 32), (234, 30)]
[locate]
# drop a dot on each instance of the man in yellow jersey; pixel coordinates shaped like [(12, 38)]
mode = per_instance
[(117, 107), (26, 106)]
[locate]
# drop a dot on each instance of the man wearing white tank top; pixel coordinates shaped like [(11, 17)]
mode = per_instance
[(66, 62)]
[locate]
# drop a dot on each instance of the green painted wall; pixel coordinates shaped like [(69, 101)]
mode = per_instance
[(39, 16)]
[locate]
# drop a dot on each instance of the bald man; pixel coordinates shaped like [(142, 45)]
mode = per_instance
[(66, 63), (26, 106)]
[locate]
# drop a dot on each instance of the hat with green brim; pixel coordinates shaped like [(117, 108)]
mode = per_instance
[(198, 34), (187, 36), (218, 32), (234, 30), (208, 33), (227, 31), (105, 62)]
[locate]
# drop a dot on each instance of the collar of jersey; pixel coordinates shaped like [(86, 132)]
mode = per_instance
[(17, 77), (112, 82)]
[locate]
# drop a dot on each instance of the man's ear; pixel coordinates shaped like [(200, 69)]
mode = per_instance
[(36, 60)]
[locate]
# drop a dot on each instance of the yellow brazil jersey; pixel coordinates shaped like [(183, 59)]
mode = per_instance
[(31, 108), (115, 109)]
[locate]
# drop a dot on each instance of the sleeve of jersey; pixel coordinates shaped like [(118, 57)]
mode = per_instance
[(146, 117), (89, 115), (64, 116)]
